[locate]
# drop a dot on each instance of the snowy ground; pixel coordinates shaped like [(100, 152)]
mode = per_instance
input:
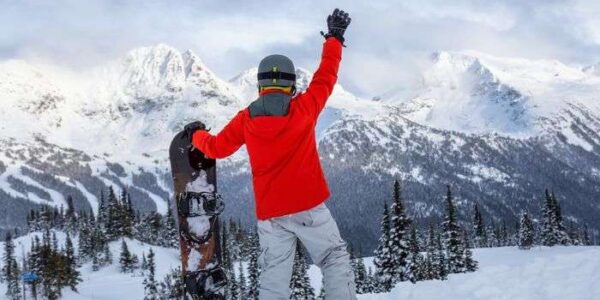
[(565, 273), (561, 273)]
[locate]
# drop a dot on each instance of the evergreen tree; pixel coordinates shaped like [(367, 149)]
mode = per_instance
[(300, 283), (431, 260), (452, 241), (414, 268), (442, 264), (172, 287), (526, 232), (144, 264), (150, 284), (383, 256), (470, 265), (102, 210), (71, 219), (561, 232), (492, 234), (550, 230), (233, 291), (253, 268), (360, 276), (479, 229), (10, 269), (241, 281), (399, 239), (86, 225), (73, 277), (126, 260), (585, 236), (128, 217), (170, 234)]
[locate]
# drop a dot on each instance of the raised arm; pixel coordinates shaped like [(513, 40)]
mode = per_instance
[(225, 143), (324, 79)]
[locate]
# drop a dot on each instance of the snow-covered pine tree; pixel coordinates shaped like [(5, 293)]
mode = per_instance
[(170, 235), (526, 232), (415, 262), (227, 262), (479, 230), (131, 216), (73, 276), (452, 241), (71, 218), (399, 237), (126, 259), (442, 264), (470, 264), (585, 236), (10, 270), (383, 257), (360, 275), (561, 234), (172, 286), (232, 291), (429, 269), (300, 283), (549, 225), (253, 268), (144, 264), (241, 281), (150, 284), (370, 286), (85, 237)]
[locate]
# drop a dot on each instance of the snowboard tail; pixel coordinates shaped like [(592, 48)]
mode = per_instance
[(198, 207)]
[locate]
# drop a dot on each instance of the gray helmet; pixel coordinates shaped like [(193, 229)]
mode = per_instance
[(276, 70)]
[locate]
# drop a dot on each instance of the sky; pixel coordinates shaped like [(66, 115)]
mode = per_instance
[(387, 42)]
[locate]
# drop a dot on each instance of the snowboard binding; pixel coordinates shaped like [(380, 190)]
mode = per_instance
[(206, 285), (204, 204)]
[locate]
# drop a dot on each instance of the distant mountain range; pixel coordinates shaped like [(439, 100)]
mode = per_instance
[(498, 130)]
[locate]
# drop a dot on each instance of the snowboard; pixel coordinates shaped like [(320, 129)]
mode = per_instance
[(198, 207)]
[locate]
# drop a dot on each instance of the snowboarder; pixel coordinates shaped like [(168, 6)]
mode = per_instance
[(278, 130)]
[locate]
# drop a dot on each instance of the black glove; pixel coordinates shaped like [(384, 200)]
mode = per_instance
[(337, 23), (193, 127)]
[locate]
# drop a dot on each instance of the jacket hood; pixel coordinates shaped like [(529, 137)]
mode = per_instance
[(269, 114)]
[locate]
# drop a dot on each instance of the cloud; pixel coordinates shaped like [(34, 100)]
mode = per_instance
[(386, 41)]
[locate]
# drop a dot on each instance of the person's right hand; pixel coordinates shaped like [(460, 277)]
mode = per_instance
[(337, 23), (193, 127)]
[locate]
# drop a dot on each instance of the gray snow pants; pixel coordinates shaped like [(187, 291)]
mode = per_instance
[(319, 233)]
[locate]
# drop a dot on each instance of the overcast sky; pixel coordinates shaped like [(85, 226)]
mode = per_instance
[(385, 41)]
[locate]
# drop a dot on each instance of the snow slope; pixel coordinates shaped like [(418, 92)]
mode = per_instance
[(542, 273), (558, 273)]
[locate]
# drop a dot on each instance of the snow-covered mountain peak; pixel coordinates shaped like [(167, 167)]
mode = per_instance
[(475, 92)]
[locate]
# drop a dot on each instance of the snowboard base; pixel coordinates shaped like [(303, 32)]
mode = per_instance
[(198, 207)]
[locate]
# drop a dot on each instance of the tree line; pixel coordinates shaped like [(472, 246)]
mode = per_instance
[(406, 252)]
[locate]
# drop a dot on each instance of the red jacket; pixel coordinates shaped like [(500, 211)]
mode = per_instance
[(286, 170)]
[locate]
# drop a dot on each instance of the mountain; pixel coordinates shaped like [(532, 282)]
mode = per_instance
[(110, 127), (498, 130)]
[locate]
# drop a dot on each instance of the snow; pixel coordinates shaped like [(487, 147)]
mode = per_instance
[(558, 273), (542, 273), (474, 92)]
